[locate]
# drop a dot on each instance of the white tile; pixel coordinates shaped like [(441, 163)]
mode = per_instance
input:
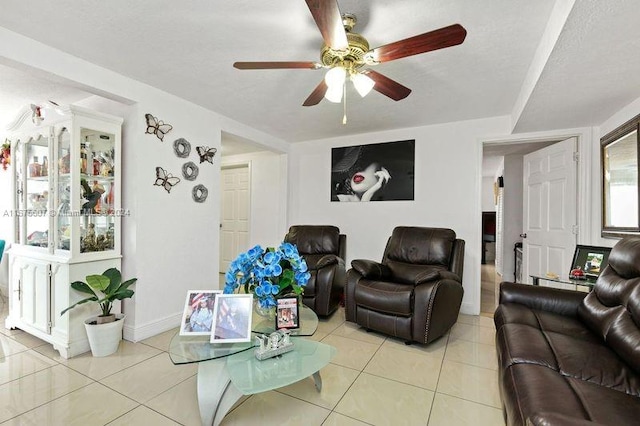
[(380, 401), (472, 333), (417, 369), (472, 353), (149, 378), (179, 403), (97, 368), (451, 411), (8, 346), (22, 364), (351, 353), (142, 416), (91, 405), (337, 419), (161, 341), (470, 382), (335, 382), (435, 348), (479, 320), (31, 391), (353, 331), (275, 409)]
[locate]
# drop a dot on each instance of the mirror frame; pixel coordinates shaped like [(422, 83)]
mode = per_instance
[(605, 141)]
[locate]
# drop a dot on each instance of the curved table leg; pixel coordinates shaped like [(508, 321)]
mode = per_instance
[(216, 393), (317, 380)]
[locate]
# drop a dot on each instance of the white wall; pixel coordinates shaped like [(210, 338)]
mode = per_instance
[(488, 200), (447, 192), (268, 210), (512, 226), (170, 243)]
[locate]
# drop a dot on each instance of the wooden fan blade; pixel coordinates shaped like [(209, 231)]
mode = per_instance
[(316, 96), (329, 20), (433, 40), (275, 65), (386, 86)]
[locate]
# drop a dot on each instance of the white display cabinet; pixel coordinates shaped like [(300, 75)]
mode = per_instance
[(67, 216)]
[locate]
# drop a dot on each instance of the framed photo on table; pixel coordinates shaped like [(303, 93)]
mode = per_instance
[(287, 313), (197, 316), (591, 260), (232, 318)]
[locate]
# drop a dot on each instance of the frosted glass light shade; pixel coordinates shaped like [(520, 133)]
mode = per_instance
[(334, 94), (335, 77), (362, 83)]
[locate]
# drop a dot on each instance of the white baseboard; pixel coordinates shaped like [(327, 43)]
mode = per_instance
[(469, 309), (150, 329)]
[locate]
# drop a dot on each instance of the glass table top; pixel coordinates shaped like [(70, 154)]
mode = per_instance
[(189, 349), (251, 376)]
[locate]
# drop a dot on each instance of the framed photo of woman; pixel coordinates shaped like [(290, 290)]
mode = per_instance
[(232, 318), (197, 316), (287, 313)]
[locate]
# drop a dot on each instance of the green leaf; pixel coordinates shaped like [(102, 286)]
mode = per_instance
[(88, 299), (115, 278), (83, 288), (98, 282), (127, 283), (123, 294)]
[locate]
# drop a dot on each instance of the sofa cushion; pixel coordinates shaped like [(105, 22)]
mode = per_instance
[(314, 239), (548, 392)]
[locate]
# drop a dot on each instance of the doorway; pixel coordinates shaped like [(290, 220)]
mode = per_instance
[(502, 188), (234, 212)]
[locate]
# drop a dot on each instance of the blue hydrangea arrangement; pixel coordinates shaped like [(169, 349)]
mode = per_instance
[(267, 273)]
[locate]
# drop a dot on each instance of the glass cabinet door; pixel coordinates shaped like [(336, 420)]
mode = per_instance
[(36, 192), (97, 190), (62, 203)]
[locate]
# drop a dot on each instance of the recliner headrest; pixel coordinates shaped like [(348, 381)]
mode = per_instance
[(424, 246), (625, 258), (315, 239)]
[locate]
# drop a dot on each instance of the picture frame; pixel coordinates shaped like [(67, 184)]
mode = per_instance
[(197, 318), (232, 316), (591, 259), (287, 313)]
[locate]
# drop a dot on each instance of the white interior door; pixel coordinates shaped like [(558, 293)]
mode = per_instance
[(234, 215), (550, 209)]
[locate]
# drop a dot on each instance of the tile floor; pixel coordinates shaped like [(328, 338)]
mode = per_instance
[(373, 380)]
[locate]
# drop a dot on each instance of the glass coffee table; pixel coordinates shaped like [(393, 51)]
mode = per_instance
[(227, 371)]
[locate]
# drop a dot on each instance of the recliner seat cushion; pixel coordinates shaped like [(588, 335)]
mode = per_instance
[(390, 298)]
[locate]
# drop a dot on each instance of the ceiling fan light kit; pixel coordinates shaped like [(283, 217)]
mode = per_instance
[(346, 53)]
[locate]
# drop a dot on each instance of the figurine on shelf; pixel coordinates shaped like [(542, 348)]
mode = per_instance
[(577, 273), (90, 197)]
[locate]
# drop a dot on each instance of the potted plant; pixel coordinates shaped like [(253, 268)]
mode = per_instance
[(104, 331)]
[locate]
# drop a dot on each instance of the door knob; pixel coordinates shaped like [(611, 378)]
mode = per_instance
[(523, 235)]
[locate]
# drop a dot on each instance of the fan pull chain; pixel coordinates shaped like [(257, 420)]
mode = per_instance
[(344, 102)]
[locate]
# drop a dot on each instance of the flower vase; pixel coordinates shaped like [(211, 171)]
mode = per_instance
[(267, 313)]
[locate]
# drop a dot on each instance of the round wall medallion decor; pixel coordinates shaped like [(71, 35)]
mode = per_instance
[(199, 193), (190, 170), (182, 147)]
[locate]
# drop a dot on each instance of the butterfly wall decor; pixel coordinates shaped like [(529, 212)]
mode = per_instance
[(157, 127), (206, 153), (165, 180)]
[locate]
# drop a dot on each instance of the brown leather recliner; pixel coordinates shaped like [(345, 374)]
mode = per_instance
[(415, 292), (323, 248)]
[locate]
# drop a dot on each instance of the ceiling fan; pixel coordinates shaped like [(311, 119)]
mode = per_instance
[(346, 54)]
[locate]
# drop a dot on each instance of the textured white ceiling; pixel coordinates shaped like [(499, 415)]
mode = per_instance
[(188, 49)]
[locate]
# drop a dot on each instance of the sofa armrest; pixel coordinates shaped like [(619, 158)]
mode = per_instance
[(563, 302), (371, 270)]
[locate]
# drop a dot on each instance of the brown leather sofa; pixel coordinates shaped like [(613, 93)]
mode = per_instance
[(572, 358), (415, 292), (323, 248)]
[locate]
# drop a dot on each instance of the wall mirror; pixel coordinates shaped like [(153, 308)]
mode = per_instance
[(619, 158)]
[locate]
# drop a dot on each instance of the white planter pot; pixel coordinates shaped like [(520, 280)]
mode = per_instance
[(104, 339)]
